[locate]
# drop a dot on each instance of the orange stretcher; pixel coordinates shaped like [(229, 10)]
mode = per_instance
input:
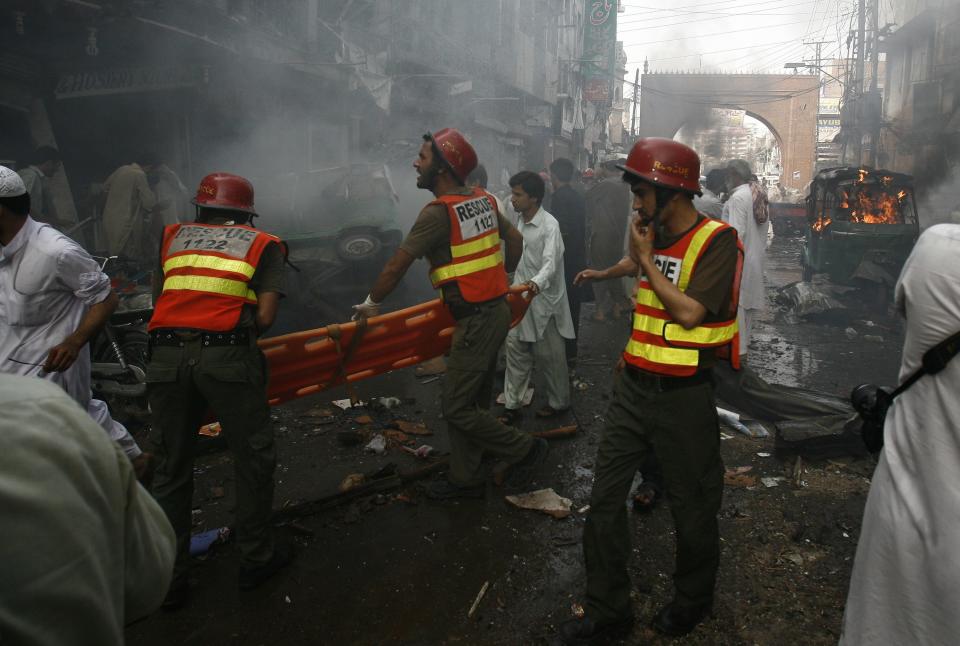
[(304, 363)]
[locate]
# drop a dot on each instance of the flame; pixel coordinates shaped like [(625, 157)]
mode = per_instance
[(868, 203)]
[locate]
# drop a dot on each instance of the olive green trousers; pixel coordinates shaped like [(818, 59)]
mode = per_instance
[(681, 426), (183, 383)]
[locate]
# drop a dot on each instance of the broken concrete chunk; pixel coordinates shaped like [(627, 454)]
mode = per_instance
[(545, 500)]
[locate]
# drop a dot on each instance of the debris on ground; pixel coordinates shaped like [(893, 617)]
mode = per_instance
[(411, 428), (352, 481), (732, 420), (343, 404), (803, 300), (422, 451), (377, 445), (363, 419), (479, 598), (737, 477), (770, 482), (202, 543), (545, 500), (211, 430), (820, 438), (397, 436), (385, 403)]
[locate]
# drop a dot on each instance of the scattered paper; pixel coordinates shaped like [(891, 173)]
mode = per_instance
[(377, 445), (545, 500), (771, 482)]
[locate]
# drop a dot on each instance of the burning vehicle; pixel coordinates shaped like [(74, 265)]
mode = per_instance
[(862, 225)]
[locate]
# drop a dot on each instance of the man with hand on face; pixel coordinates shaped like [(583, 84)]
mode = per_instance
[(663, 398), (462, 233), (540, 336)]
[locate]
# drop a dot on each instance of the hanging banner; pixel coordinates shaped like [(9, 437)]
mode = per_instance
[(599, 50)]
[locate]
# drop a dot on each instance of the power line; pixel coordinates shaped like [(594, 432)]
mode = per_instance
[(730, 11), (701, 5), (721, 33)]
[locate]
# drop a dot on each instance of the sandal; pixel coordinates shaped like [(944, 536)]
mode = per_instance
[(550, 411), (645, 497)]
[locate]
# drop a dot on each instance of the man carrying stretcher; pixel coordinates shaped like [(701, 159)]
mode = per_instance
[(462, 234)]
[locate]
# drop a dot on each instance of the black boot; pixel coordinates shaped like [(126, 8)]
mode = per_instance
[(676, 620)]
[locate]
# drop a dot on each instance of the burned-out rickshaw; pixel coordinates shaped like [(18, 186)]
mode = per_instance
[(862, 225)]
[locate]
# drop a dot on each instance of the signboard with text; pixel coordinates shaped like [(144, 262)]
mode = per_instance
[(126, 80), (599, 50)]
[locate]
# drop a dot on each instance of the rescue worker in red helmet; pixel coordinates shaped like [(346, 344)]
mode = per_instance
[(470, 245), (684, 319), (217, 289)]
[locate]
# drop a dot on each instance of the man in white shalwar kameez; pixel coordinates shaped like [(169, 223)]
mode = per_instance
[(48, 286), (905, 586), (540, 336), (738, 213)]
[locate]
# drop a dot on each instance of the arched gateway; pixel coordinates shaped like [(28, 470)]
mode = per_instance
[(786, 103)]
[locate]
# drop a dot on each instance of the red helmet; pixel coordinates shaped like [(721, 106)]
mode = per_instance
[(664, 162), (455, 150), (588, 174), (225, 191)]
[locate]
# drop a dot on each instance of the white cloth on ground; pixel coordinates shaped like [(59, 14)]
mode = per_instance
[(905, 585), (542, 262), (738, 213), (47, 284), (85, 548), (550, 356)]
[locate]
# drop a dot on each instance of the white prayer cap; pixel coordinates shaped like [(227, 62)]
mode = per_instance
[(10, 183)]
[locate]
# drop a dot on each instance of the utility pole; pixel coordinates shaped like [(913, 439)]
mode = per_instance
[(874, 73), (636, 95), (817, 65), (857, 90)]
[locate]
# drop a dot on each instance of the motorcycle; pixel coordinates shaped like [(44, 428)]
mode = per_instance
[(119, 353)]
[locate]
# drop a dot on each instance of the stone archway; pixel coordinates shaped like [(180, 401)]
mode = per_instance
[(785, 103)]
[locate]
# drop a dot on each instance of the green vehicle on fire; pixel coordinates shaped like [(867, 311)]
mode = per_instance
[(862, 225)]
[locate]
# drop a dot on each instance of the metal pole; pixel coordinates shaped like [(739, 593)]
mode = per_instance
[(636, 94), (874, 72), (861, 63)]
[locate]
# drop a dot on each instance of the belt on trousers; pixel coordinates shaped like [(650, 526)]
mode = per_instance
[(176, 338), (463, 310), (663, 383)]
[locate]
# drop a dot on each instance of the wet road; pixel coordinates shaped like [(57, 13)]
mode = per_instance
[(405, 570)]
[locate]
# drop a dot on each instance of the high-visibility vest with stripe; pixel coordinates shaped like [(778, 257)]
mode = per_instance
[(206, 275), (662, 346), (477, 259)]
